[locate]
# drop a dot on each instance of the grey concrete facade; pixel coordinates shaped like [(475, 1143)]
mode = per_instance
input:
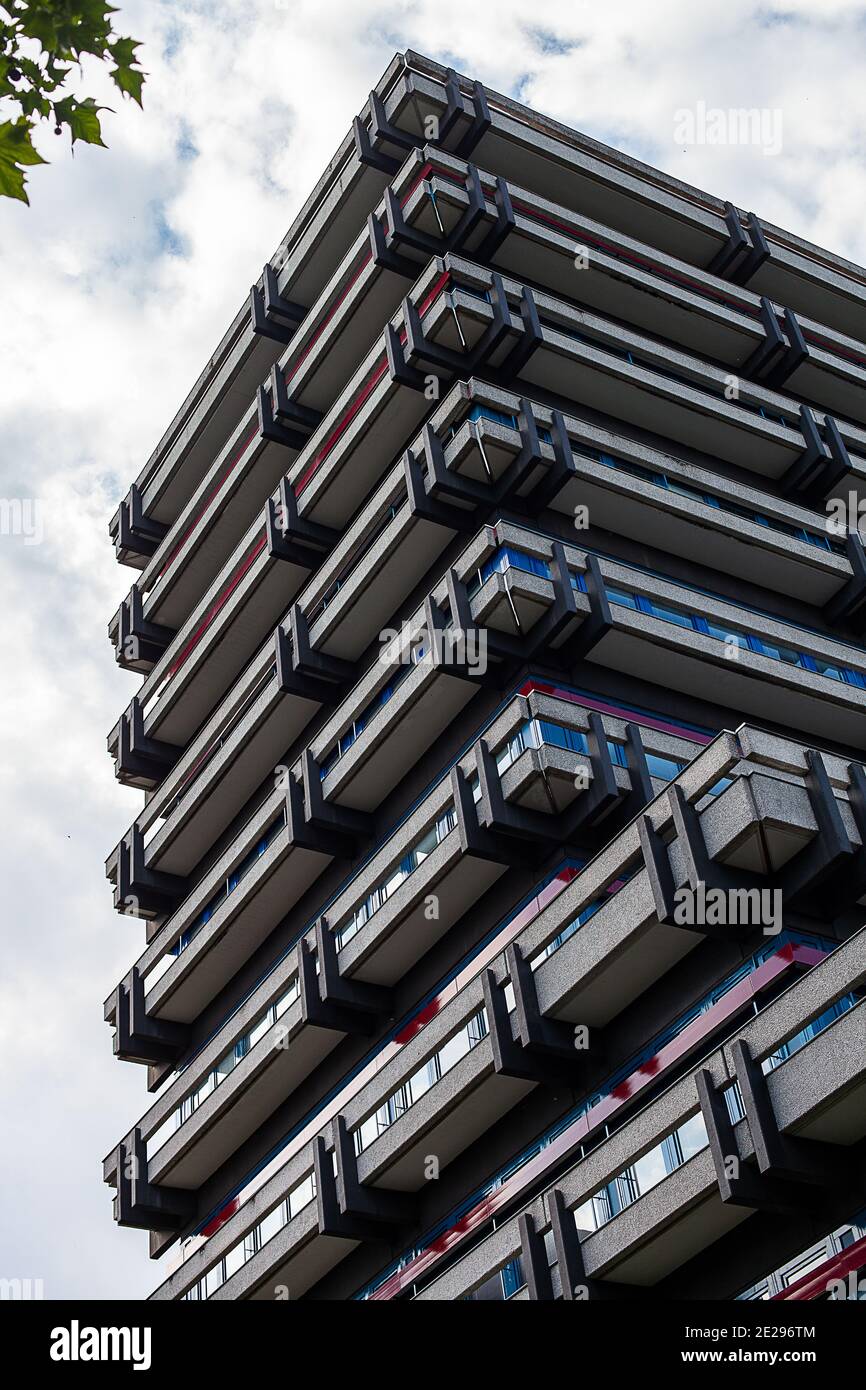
[(485, 634)]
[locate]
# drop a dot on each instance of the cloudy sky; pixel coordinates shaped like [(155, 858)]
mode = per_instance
[(117, 283)]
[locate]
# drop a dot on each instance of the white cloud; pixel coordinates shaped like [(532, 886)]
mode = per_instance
[(117, 284)]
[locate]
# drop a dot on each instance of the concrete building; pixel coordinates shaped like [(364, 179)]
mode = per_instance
[(502, 856)]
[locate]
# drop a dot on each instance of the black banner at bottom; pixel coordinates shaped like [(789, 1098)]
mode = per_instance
[(64, 1338)]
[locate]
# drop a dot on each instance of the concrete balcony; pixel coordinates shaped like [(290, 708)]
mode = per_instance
[(804, 675), (474, 446), (593, 361), (361, 295), (626, 280), (385, 721), (766, 552), (808, 1112), (785, 691), (784, 810), (267, 570), (238, 612), (717, 648), (493, 334), (294, 278), (172, 989), (334, 996), (593, 973), (598, 182), (635, 490)]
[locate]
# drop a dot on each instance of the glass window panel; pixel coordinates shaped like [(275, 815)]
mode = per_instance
[(512, 1278), (226, 1064), (617, 753), (786, 654), (258, 1030), (273, 1222), (584, 1217), (725, 634), (421, 1081), (602, 1209), (393, 883), (452, 1051), (286, 1000), (734, 1102), (670, 615), (205, 1089), (650, 1169), (367, 1132), (622, 598), (825, 668), (302, 1195), (692, 1136), (476, 1028), (663, 768), (693, 493), (425, 845)]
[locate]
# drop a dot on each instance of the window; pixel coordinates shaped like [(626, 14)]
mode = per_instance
[(448, 1055), (778, 653), (663, 768), (643, 1175), (668, 614), (625, 600), (725, 634)]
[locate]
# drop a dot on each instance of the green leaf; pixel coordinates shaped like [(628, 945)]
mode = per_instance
[(12, 182), (57, 34), (32, 102), (123, 52), (15, 139), (82, 117), (130, 81), (16, 153)]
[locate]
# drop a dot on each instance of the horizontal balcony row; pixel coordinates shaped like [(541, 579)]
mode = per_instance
[(398, 534), (293, 279), (700, 231), (537, 741), (276, 855), (485, 463), (591, 360), (199, 654), (622, 278), (419, 1272), (634, 490), (463, 1061), (436, 203), (797, 819), (272, 560), (601, 183), (608, 612), (360, 297), (779, 1104)]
